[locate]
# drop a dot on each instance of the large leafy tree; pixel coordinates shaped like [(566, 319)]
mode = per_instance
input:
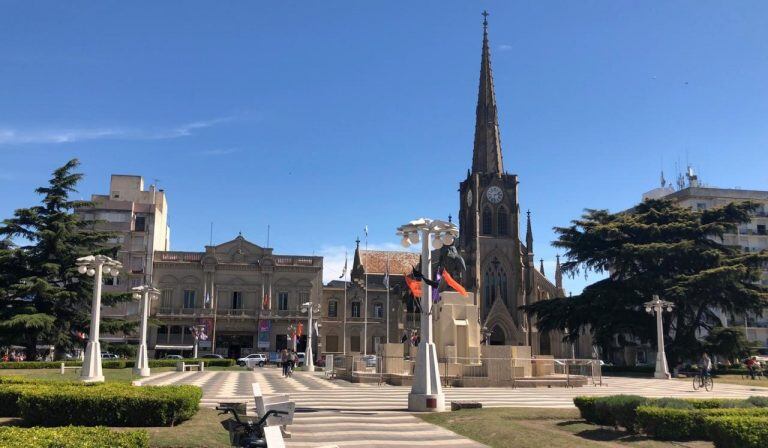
[(44, 299), (654, 248)]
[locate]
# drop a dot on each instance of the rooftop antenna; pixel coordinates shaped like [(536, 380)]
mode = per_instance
[(210, 238), (267, 235)]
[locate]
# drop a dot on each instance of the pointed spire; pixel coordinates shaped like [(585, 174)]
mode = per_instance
[(486, 157), (529, 235), (358, 270), (558, 273), (541, 266)]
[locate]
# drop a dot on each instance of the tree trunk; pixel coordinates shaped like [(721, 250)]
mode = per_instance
[(30, 350)]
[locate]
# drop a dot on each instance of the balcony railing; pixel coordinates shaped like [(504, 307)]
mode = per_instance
[(296, 261), (179, 256)]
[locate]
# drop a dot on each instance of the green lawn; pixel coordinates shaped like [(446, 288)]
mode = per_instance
[(110, 375), (538, 428)]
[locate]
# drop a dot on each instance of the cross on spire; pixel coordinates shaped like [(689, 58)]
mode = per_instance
[(485, 19)]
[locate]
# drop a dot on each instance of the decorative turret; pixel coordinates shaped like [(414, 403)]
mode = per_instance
[(486, 157), (541, 266), (558, 274), (529, 237), (358, 271)]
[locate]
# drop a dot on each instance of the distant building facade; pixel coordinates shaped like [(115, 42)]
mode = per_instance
[(350, 324), (246, 296), (139, 219)]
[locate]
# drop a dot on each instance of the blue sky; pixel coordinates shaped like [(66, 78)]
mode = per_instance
[(319, 118)]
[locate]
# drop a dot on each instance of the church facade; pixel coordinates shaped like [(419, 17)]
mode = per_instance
[(500, 267)]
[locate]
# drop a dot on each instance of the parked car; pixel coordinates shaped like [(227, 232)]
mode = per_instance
[(253, 359), (173, 357), (302, 359), (107, 355), (370, 360), (212, 356)]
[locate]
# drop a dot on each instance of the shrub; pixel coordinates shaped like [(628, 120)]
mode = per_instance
[(628, 370), (586, 407), (38, 364), (671, 403), (738, 431), (109, 404), (619, 410), (71, 437), (209, 362), (759, 402), (9, 397), (686, 424)]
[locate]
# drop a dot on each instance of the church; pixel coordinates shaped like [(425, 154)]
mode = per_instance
[(500, 267)]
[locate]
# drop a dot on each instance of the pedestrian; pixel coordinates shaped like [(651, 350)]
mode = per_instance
[(284, 361), (705, 364), (752, 366)]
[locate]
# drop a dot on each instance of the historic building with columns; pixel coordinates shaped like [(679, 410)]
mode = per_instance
[(247, 297)]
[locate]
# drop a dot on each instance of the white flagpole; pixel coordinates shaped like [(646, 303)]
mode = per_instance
[(387, 285), (365, 320), (344, 327)]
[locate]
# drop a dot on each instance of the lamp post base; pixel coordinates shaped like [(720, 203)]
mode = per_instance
[(142, 362), (427, 393), (91, 372), (662, 369)]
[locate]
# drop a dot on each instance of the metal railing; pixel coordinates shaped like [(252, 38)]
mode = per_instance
[(472, 372)]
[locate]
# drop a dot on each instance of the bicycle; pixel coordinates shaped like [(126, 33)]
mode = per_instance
[(245, 434), (703, 381)]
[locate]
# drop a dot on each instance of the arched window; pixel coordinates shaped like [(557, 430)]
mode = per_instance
[(333, 306), (487, 221), (488, 290), (501, 218), (355, 309), (495, 283)]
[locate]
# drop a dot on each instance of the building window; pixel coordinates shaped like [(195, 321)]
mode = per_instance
[(761, 229), (355, 309), (501, 225), (701, 206), (175, 329), (354, 343), (166, 298), (110, 280), (303, 297), (331, 343), (282, 301), (237, 300), (333, 306), (115, 195), (378, 310), (189, 298), (140, 224), (487, 221), (136, 282)]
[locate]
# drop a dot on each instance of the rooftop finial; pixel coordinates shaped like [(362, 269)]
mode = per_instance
[(485, 20)]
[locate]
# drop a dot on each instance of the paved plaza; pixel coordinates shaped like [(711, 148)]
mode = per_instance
[(345, 414)]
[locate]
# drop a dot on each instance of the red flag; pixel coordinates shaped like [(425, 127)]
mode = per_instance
[(414, 285), (453, 283), (300, 329), (265, 302)]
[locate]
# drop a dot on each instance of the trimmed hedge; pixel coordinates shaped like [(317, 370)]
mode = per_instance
[(738, 431), (619, 410), (686, 424), (109, 404), (71, 437), (586, 406), (116, 363)]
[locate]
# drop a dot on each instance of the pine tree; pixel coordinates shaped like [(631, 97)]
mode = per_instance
[(655, 248), (45, 300)]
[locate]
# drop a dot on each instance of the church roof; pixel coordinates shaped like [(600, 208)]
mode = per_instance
[(400, 263)]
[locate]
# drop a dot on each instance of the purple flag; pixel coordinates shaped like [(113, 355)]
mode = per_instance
[(436, 290)]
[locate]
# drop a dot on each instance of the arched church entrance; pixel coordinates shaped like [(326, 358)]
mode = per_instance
[(497, 336)]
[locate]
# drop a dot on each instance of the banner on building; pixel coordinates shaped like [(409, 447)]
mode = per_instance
[(265, 327)]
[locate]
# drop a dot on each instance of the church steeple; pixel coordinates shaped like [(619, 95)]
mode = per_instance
[(486, 157), (358, 271), (529, 235), (558, 274)]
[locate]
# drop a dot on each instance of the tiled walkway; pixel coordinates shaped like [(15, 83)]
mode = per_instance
[(344, 414)]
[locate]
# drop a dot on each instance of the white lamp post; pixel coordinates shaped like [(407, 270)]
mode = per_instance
[(658, 306), (198, 332), (144, 293), (426, 392), (310, 309), (94, 266)]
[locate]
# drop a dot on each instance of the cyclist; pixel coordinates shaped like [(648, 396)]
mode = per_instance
[(705, 364)]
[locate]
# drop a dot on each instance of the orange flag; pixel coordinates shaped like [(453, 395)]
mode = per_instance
[(414, 285), (453, 283), (300, 329)]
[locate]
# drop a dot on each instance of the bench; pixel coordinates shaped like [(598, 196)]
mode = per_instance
[(182, 366), (64, 367), (276, 424)]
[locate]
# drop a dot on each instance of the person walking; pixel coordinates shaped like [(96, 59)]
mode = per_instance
[(752, 366), (284, 360)]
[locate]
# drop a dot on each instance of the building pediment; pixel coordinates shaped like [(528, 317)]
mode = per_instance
[(240, 250)]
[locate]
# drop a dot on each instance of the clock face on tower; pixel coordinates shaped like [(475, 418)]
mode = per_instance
[(494, 194)]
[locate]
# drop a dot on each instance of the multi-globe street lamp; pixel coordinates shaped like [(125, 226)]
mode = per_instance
[(486, 332), (427, 392), (658, 306), (95, 266), (198, 332), (145, 293), (310, 309)]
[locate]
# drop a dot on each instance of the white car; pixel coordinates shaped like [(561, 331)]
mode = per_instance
[(252, 360)]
